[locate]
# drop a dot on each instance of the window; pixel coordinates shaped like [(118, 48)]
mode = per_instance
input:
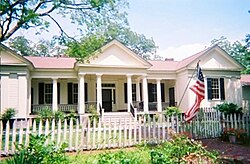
[(126, 93), (215, 89), (75, 93), (152, 92), (133, 92), (48, 93)]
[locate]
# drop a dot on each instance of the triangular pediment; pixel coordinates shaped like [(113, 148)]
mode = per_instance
[(217, 59), (116, 54), (9, 57)]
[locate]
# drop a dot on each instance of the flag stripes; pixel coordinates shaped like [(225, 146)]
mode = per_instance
[(199, 89)]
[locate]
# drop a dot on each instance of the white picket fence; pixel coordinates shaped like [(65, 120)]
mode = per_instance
[(88, 135)]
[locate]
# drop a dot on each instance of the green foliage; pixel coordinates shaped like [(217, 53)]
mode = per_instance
[(85, 48), (118, 157), (179, 149), (38, 152), (172, 111), (58, 115), (32, 14), (42, 48), (46, 114), (8, 114), (228, 108), (94, 114), (93, 41)]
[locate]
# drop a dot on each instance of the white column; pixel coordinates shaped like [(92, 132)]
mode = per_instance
[(29, 96), (81, 95), (54, 99), (138, 96), (129, 91), (145, 94), (159, 104), (99, 89)]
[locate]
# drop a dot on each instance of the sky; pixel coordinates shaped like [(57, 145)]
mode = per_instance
[(181, 28), (184, 27)]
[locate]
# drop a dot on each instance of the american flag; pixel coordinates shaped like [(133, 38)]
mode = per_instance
[(199, 90)]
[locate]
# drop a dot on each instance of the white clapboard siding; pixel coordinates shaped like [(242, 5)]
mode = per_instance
[(90, 134)]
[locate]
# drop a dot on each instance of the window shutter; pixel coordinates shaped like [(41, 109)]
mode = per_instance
[(86, 92), (222, 89), (70, 93), (209, 88), (58, 93), (41, 93), (162, 92), (125, 93)]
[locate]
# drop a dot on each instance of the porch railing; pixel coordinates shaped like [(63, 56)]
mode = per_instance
[(61, 107), (152, 106)]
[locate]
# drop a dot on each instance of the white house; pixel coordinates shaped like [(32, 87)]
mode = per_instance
[(113, 79)]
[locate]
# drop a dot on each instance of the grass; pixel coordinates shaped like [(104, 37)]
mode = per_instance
[(89, 157)]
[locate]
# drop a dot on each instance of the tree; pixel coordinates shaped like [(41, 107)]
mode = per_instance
[(28, 48), (22, 46), (26, 14), (138, 43), (238, 51)]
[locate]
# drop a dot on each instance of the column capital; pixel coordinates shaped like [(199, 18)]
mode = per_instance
[(129, 75), (81, 74), (158, 79), (54, 78), (99, 74)]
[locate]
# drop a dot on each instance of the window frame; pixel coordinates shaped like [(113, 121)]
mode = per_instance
[(220, 89), (48, 96)]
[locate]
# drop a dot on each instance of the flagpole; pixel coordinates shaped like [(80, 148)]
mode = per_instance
[(188, 84)]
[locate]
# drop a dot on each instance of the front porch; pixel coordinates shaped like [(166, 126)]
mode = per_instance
[(111, 93)]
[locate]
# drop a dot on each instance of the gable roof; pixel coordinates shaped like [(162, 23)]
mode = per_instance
[(52, 62), (115, 54), (189, 60), (16, 56)]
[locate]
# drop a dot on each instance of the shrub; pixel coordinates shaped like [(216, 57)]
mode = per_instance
[(38, 152), (229, 108), (170, 111), (46, 113), (58, 115), (119, 157), (94, 114), (179, 150)]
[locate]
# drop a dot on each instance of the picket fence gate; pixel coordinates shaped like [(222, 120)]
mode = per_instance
[(87, 134)]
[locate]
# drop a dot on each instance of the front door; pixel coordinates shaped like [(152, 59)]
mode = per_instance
[(107, 100)]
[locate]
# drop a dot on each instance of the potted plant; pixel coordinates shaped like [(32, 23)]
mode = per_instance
[(233, 135)]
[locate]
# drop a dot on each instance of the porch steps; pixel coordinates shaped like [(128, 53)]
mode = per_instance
[(117, 118)]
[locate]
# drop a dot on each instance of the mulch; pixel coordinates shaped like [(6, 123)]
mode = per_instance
[(230, 153)]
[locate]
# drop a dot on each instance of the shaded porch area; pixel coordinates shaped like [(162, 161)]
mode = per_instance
[(110, 93)]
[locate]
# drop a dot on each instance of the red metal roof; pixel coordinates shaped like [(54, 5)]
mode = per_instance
[(163, 65), (245, 79), (52, 62)]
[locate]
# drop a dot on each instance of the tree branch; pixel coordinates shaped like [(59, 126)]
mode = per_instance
[(59, 26), (48, 12)]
